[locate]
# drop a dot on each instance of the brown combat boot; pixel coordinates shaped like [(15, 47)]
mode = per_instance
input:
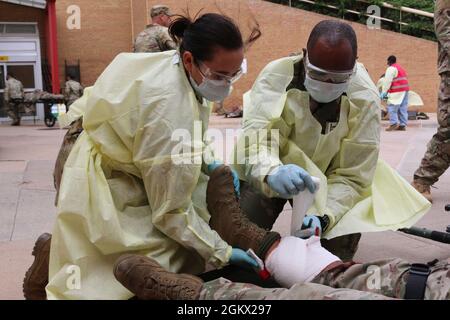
[(145, 278), (227, 218), (393, 127), (36, 278), (424, 189), (401, 128)]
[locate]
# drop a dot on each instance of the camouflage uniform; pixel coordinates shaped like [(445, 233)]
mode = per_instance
[(387, 277), (370, 281), (222, 289), (28, 106), (42, 96), (72, 92), (13, 93), (437, 158), (70, 138), (154, 38)]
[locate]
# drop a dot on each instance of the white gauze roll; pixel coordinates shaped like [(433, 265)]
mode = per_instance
[(298, 261), (302, 202)]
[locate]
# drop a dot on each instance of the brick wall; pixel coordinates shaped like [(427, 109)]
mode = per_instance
[(16, 13), (108, 27), (106, 30), (286, 30)]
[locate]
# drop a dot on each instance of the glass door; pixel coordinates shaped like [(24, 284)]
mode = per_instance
[(24, 72), (2, 89)]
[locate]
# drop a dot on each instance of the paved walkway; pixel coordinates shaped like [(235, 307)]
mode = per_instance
[(27, 156)]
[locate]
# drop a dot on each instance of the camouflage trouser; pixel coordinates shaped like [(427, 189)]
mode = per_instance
[(12, 110), (222, 289), (437, 158), (376, 280), (387, 277), (70, 138), (264, 211)]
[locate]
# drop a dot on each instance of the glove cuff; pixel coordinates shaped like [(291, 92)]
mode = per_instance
[(213, 166), (269, 239), (324, 222)]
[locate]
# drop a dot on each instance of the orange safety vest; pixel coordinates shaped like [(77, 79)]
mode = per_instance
[(400, 83)]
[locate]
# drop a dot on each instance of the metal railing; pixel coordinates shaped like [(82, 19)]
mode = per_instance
[(401, 9)]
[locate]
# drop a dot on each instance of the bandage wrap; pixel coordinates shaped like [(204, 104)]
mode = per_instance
[(298, 261)]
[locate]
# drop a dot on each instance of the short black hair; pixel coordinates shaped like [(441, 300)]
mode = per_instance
[(70, 75), (392, 59), (10, 74), (334, 32)]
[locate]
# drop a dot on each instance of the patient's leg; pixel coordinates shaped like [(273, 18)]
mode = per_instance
[(387, 277), (222, 289), (228, 220)]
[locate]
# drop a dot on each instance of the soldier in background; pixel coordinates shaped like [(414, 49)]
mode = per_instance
[(14, 95), (437, 158), (72, 91), (156, 38)]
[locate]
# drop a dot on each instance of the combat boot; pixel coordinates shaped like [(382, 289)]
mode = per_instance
[(227, 218), (36, 278), (424, 189), (393, 127), (146, 279)]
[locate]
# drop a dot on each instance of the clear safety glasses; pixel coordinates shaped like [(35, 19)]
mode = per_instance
[(216, 76), (325, 75)]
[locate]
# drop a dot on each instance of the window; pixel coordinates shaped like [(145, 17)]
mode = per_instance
[(24, 73), (20, 28)]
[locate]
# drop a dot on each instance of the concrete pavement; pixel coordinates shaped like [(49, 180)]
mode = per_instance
[(27, 156)]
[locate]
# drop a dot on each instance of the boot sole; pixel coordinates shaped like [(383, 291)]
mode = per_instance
[(40, 243)]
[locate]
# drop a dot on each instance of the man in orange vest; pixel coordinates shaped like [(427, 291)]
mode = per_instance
[(395, 91)]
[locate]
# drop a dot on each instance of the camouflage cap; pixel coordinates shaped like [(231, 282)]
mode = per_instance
[(159, 9)]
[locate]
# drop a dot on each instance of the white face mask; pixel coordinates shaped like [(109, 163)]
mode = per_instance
[(324, 92), (212, 90)]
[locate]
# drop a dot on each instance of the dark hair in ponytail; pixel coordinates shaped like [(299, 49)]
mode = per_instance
[(207, 33)]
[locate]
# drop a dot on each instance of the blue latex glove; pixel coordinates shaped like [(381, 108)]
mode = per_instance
[(289, 180), (237, 185), (240, 258), (312, 223), (383, 96)]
